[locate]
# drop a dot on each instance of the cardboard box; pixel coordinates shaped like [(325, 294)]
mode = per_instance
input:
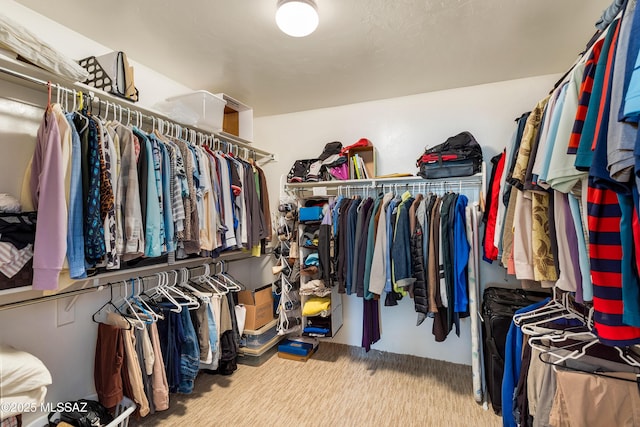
[(297, 350), (237, 119), (259, 305), (295, 357)]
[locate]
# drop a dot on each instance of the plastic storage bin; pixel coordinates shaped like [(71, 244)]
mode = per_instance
[(200, 108), (256, 339), (120, 418), (257, 358)]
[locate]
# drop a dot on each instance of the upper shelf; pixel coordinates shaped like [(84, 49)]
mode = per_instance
[(31, 76), (477, 182), (373, 182)]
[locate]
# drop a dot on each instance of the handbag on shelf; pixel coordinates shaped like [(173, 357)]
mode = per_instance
[(112, 73)]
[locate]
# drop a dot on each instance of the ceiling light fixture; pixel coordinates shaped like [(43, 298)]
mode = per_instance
[(297, 18)]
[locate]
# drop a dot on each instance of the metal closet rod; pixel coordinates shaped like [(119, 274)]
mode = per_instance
[(98, 288), (150, 118), (418, 185)]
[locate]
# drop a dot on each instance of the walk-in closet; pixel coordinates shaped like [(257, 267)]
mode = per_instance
[(319, 212)]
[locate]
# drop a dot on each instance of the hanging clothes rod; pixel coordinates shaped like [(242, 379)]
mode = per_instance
[(233, 142), (97, 288)]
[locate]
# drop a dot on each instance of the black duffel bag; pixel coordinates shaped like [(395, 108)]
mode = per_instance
[(460, 155)]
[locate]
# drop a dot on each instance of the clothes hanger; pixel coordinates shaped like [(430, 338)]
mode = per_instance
[(576, 354), (111, 305), (230, 280), (554, 305), (66, 100), (159, 289), (191, 301), (75, 96), (535, 325), (149, 315), (204, 295), (142, 303), (131, 310), (557, 336), (219, 287), (146, 299)]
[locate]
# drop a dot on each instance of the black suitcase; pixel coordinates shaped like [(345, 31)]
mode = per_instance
[(498, 308)]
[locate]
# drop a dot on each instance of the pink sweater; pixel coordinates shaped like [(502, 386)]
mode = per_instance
[(47, 192)]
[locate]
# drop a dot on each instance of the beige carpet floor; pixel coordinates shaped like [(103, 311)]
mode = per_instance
[(339, 386)]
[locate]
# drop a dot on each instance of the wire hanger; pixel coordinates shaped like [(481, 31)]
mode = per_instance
[(110, 304)]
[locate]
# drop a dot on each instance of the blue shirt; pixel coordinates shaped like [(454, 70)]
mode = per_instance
[(153, 237), (75, 234), (512, 365), (630, 107), (461, 250), (553, 132), (630, 284)]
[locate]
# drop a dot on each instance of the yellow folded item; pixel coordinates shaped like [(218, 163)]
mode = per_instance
[(315, 306)]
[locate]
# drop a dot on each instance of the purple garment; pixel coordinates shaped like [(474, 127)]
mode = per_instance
[(48, 195), (327, 219), (572, 241), (370, 323), (340, 172)]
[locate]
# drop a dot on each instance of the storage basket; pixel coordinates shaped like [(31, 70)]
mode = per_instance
[(120, 418), (98, 77), (111, 73)]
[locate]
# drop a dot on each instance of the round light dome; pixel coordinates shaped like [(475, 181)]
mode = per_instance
[(297, 18)]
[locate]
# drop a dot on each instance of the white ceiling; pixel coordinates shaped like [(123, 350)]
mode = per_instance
[(362, 49)]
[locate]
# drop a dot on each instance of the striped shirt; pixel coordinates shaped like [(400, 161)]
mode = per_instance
[(584, 156), (584, 96), (605, 250)]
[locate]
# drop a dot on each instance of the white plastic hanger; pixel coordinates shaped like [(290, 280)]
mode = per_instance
[(553, 306), (190, 301), (232, 283), (218, 287), (130, 308), (154, 315), (162, 291)]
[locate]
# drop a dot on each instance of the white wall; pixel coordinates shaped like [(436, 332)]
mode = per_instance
[(400, 129)]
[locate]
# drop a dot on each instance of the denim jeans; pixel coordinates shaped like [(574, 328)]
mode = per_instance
[(190, 354), (171, 339)]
